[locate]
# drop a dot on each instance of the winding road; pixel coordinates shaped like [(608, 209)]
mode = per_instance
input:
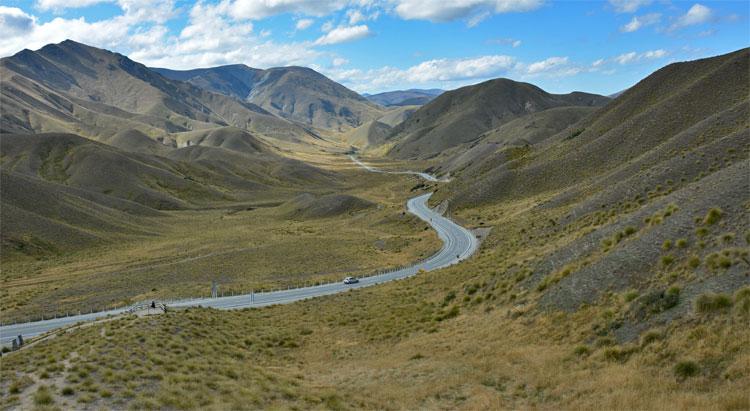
[(458, 244)]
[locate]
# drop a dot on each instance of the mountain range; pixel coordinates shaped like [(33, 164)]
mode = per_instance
[(411, 97), (295, 93), (613, 270)]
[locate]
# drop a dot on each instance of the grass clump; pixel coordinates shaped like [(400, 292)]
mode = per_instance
[(581, 350), (631, 295), (709, 303), (686, 369), (713, 216), (67, 391), (43, 396), (694, 261), (667, 260)]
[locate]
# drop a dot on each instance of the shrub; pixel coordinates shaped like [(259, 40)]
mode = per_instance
[(694, 261), (581, 350), (742, 301), (667, 245), (67, 391), (449, 297), (686, 369), (605, 341), (43, 396), (728, 237), (631, 295), (667, 260), (630, 230), (713, 216), (650, 337), (682, 243), (701, 231), (617, 354), (708, 303)]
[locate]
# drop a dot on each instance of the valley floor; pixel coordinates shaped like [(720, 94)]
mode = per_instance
[(243, 247)]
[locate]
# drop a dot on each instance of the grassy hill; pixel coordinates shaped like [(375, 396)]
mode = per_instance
[(71, 87), (614, 273), (461, 115), (297, 93)]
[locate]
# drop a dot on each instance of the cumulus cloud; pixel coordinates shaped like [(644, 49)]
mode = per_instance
[(633, 57), (14, 22), (446, 71), (303, 24), (212, 38), (471, 10), (697, 14), (21, 30), (259, 9), (638, 22), (547, 65), (628, 6), (344, 34)]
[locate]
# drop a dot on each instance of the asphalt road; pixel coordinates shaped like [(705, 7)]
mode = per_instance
[(458, 244), (426, 176)]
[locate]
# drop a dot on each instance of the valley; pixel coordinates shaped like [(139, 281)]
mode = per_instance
[(613, 270)]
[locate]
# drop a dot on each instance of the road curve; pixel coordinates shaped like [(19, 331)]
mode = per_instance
[(458, 244), (428, 177)]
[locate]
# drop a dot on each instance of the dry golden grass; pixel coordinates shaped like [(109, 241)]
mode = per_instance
[(242, 247)]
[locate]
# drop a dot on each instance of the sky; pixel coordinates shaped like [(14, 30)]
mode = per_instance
[(379, 45)]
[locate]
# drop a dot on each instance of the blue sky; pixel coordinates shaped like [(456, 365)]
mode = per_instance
[(380, 45)]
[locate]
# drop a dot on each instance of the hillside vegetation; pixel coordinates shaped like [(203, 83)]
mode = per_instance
[(459, 116), (71, 87), (614, 271)]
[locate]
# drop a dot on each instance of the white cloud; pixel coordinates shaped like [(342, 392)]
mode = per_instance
[(339, 61), (628, 6), (66, 4), (546, 65), (15, 22), (505, 42), (21, 30), (445, 71), (327, 26), (697, 14), (344, 34), (627, 57), (598, 63), (355, 16), (212, 38), (638, 22), (633, 57), (303, 24), (259, 9), (471, 10), (654, 54), (459, 69)]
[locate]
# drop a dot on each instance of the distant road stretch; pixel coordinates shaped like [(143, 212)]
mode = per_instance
[(458, 244), (426, 176)]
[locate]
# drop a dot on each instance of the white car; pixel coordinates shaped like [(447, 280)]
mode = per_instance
[(350, 280)]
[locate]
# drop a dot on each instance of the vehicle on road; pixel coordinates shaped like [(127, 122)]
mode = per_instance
[(350, 280)]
